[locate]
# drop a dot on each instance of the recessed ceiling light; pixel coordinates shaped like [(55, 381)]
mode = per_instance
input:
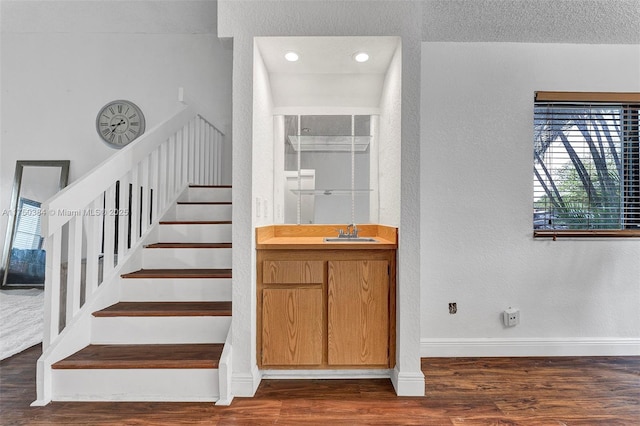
[(361, 57), (291, 56)]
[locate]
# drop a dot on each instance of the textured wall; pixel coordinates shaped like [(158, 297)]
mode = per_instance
[(477, 188)]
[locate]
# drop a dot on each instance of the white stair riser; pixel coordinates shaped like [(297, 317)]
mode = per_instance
[(187, 233), (157, 330), (209, 194), (203, 212), (176, 290), (162, 384), (185, 258)]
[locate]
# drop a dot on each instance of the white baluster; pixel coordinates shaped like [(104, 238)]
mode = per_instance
[(122, 217), (93, 227), (179, 160), (193, 154), (218, 180), (109, 230), (145, 184), (52, 288), (173, 168), (153, 185), (74, 267), (206, 160), (163, 178), (134, 212)]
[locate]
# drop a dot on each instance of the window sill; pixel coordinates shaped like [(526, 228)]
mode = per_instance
[(595, 233)]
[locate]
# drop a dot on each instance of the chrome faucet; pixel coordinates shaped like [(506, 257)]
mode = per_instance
[(350, 232)]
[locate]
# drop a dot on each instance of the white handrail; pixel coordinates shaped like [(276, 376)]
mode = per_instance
[(92, 226)]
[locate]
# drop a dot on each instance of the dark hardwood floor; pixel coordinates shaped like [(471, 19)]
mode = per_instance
[(459, 391)]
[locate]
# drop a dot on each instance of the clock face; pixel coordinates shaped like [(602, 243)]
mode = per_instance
[(119, 122)]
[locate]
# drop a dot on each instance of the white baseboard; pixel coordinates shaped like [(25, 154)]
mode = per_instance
[(493, 347), (246, 384), (408, 384)]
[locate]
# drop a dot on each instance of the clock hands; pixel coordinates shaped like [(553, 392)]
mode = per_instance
[(115, 126)]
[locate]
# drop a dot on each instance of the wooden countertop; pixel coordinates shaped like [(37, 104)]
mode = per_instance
[(282, 237)]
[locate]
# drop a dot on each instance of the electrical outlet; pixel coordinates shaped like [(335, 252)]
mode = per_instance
[(258, 206), (453, 307), (511, 317)]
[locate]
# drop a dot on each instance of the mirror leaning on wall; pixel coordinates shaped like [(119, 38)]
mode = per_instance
[(23, 258)]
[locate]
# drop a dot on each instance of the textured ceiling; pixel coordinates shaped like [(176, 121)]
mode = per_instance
[(535, 21), (532, 21)]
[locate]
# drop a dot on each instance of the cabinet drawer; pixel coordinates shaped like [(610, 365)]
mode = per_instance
[(292, 272)]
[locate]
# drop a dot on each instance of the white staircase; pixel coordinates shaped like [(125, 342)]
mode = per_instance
[(163, 340)]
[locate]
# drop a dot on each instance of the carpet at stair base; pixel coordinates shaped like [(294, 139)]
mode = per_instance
[(21, 320)]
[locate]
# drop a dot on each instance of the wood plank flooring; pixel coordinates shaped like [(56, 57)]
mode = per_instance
[(459, 391)]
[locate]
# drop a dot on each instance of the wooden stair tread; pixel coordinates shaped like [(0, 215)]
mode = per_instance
[(179, 273), (198, 355), (195, 222), (204, 203), (165, 309), (189, 245)]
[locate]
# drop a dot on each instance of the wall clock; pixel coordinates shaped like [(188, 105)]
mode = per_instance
[(119, 122)]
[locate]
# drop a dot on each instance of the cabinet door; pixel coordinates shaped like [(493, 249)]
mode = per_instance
[(358, 311), (292, 326)]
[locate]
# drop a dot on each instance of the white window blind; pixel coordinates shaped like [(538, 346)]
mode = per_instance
[(586, 163), (27, 235)]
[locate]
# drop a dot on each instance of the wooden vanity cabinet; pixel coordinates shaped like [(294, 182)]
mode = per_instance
[(326, 309)]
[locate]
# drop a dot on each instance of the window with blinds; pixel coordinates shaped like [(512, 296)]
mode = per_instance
[(586, 172), (27, 234)]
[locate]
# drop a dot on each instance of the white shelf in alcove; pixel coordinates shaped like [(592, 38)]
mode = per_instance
[(330, 143), (331, 191)]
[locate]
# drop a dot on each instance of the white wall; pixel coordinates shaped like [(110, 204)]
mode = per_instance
[(259, 159), (247, 19), (263, 143), (390, 125), (61, 61), (575, 296)]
